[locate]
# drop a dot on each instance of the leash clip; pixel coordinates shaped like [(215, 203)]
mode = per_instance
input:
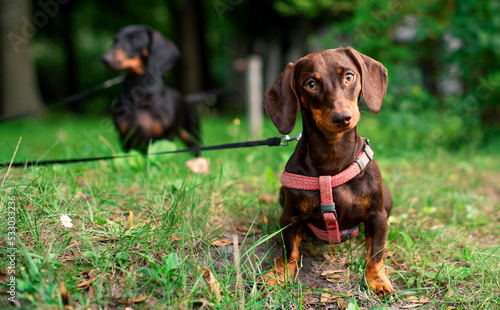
[(285, 139), (366, 140)]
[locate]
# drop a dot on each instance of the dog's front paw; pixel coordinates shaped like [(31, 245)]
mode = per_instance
[(384, 290), (377, 279), (282, 272), (380, 284), (273, 277)]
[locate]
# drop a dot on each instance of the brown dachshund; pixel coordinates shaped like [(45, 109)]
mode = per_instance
[(330, 183), (147, 110)]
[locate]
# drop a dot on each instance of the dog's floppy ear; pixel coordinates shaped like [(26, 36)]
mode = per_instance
[(281, 102), (373, 79), (162, 53)]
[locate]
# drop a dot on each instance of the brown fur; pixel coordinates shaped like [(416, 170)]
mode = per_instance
[(329, 84)]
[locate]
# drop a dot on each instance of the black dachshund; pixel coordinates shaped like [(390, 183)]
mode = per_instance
[(147, 110)]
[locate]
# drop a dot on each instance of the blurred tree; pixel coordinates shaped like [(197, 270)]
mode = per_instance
[(189, 19), (420, 42), (474, 46), (18, 85), (313, 8), (71, 60)]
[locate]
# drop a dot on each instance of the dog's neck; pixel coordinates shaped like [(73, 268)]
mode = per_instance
[(144, 86), (317, 154)]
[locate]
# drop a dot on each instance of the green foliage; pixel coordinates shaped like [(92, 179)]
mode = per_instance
[(461, 35), (444, 36), (312, 9)]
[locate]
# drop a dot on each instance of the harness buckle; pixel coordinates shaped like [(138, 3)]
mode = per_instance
[(369, 153), (329, 208), (346, 233)]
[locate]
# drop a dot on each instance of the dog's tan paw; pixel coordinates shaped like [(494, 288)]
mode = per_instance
[(384, 290), (381, 285), (273, 277)]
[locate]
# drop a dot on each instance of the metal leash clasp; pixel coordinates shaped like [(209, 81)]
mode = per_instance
[(285, 139)]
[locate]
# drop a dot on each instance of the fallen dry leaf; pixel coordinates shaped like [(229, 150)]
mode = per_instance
[(246, 229), (410, 306), (330, 271), (87, 283), (335, 279), (341, 303), (92, 277), (213, 285), (424, 300), (222, 242), (130, 220), (265, 199), (241, 227), (135, 300), (325, 297), (198, 165), (264, 218), (418, 299), (64, 293)]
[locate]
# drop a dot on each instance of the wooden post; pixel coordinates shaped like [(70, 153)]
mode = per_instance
[(254, 95)]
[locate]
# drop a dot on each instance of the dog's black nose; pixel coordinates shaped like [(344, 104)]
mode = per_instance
[(342, 119)]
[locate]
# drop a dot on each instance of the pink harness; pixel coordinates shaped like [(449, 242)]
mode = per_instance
[(325, 184)]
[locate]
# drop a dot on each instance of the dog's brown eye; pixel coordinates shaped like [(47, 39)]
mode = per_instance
[(311, 85), (349, 77)]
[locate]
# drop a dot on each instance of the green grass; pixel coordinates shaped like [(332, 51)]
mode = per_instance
[(442, 250)]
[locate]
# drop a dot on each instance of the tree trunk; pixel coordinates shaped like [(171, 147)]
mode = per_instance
[(430, 64), (193, 63), (18, 84), (71, 63)]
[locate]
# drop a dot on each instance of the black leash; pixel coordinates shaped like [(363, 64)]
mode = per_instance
[(198, 97), (69, 99), (192, 98), (275, 141)]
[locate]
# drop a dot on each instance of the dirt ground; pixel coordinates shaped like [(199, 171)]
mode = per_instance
[(325, 271)]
